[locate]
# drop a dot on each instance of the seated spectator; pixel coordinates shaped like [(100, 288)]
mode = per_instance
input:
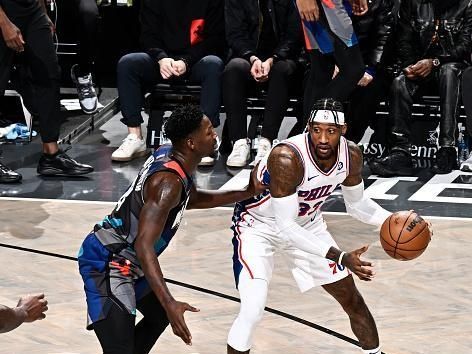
[(467, 100), (26, 36), (373, 30), (29, 309), (264, 39), (182, 41), (434, 43)]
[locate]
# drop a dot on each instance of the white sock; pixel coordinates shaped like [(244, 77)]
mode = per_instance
[(372, 351)]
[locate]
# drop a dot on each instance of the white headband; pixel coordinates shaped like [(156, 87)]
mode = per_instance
[(327, 116)]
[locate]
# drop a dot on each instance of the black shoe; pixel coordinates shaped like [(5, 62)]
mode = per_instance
[(446, 160), (61, 164), (7, 175), (397, 163)]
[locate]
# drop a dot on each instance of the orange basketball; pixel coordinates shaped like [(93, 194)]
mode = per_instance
[(405, 235)]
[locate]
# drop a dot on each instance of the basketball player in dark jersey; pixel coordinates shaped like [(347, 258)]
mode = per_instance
[(119, 261)]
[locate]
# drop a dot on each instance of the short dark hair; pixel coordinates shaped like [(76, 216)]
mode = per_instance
[(182, 122), (329, 104)]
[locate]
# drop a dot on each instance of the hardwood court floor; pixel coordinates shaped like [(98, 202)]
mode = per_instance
[(421, 306)]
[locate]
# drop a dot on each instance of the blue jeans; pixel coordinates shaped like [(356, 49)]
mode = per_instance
[(137, 74)]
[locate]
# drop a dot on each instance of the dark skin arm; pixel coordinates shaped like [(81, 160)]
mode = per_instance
[(286, 173), (29, 309), (162, 193), (10, 33), (203, 199)]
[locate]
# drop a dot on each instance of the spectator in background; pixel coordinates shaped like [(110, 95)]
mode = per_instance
[(29, 309), (330, 41), (26, 37), (467, 100), (264, 38), (373, 31), (81, 73), (434, 43), (182, 40)]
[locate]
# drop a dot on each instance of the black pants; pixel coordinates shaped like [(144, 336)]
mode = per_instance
[(467, 97), (320, 83), (402, 94), (363, 104), (237, 81), (38, 75), (88, 18), (137, 73), (119, 335)]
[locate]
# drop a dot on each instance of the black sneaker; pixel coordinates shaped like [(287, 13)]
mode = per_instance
[(446, 160), (7, 175), (61, 164), (397, 163), (87, 96)]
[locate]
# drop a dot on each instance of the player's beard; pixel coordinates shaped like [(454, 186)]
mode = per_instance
[(326, 156)]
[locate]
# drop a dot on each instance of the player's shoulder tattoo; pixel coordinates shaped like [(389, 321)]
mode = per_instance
[(285, 166)]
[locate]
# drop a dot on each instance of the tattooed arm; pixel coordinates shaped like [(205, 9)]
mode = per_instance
[(286, 173)]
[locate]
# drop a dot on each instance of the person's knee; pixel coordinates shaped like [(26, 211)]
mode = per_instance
[(130, 62), (237, 67), (281, 69), (398, 85), (213, 65)]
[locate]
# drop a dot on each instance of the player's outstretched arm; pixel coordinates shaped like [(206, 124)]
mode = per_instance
[(357, 204), (29, 309), (162, 193), (203, 199)]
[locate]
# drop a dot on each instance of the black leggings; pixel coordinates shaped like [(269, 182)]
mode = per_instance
[(118, 334), (320, 83), (87, 29)]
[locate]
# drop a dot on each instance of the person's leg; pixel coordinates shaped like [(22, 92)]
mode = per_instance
[(449, 95), (362, 322), (208, 72), (253, 295), (277, 97), (398, 162), (351, 68), (81, 74), (235, 81), (136, 73), (319, 76), (88, 18), (152, 325), (116, 332), (467, 97)]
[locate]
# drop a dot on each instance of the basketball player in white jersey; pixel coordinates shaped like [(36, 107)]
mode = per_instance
[(301, 173)]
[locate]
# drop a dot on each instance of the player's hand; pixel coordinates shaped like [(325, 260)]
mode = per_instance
[(359, 7), (35, 307), (353, 262), (423, 68), (175, 313), (308, 10), (13, 37), (255, 186), (366, 79), (166, 68)]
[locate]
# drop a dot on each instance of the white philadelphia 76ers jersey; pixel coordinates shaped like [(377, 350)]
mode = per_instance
[(314, 189)]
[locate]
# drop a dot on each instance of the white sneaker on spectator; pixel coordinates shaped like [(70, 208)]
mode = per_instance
[(131, 148), (240, 154), (87, 96), (263, 149), (207, 161), (466, 165)]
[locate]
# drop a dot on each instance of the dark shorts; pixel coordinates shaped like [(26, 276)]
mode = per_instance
[(108, 279)]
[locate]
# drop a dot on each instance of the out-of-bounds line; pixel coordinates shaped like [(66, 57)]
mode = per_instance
[(210, 292)]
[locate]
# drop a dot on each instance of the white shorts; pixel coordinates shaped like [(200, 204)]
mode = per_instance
[(254, 251)]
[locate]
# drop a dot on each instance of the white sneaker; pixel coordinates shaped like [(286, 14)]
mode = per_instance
[(263, 149), (207, 161), (466, 165), (87, 96), (131, 148), (240, 154)]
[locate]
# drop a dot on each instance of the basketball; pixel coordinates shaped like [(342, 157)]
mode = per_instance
[(404, 235)]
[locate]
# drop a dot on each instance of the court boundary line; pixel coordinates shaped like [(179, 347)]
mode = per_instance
[(97, 202), (209, 292)]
